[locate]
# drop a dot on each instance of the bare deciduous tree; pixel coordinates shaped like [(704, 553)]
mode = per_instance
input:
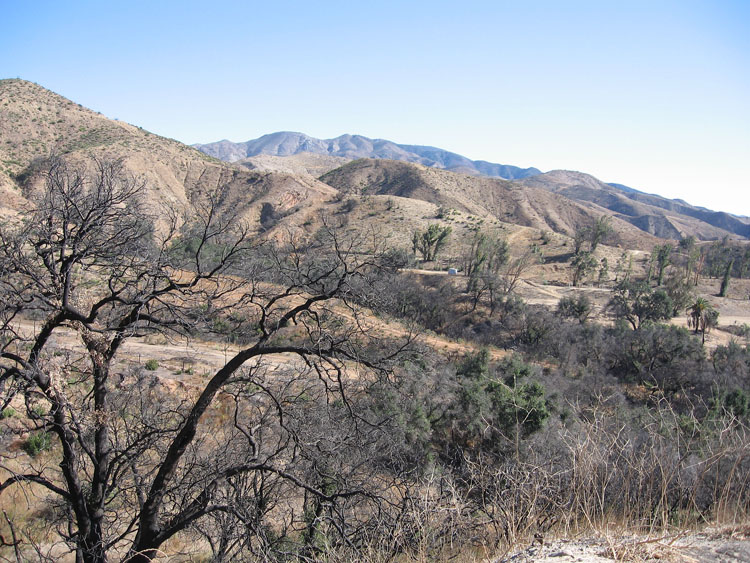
[(134, 466)]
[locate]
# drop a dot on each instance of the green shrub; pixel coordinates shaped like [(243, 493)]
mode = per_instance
[(735, 402), (637, 302), (502, 400), (742, 330), (7, 412), (474, 365), (152, 365), (221, 326), (38, 443), (578, 307)]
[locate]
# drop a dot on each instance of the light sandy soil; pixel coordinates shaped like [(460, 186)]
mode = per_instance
[(188, 362), (716, 545), (185, 361), (734, 310)]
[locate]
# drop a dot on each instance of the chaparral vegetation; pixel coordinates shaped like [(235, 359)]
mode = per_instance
[(265, 367)]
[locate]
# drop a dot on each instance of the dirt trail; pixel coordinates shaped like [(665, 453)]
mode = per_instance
[(184, 361), (177, 360)]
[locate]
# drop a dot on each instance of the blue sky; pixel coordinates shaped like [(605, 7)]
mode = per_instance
[(655, 95)]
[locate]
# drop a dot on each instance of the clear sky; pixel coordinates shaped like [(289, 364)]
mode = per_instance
[(654, 94)]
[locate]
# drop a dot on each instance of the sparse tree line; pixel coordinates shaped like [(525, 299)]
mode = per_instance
[(281, 453), (687, 260), (721, 260)]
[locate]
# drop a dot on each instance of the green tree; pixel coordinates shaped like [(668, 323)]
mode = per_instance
[(691, 253), (745, 263), (702, 317), (700, 263), (501, 404), (519, 405), (592, 234), (725, 279), (680, 291), (485, 257), (578, 307), (474, 365), (651, 264), (579, 237), (735, 402), (601, 229), (663, 254), (624, 267), (603, 271), (430, 241), (583, 264), (637, 302)]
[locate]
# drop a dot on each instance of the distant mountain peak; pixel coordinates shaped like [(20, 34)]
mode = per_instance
[(288, 143)]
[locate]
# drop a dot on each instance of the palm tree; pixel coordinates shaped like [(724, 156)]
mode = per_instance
[(702, 317)]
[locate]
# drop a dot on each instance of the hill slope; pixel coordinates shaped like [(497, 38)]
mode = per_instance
[(509, 202), (301, 163), (665, 218), (282, 192), (351, 147), (656, 215), (35, 123)]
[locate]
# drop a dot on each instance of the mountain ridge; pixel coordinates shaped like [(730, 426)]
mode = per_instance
[(288, 143), (35, 123), (650, 212), (665, 218)]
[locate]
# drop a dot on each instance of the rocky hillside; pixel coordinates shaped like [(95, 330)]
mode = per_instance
[(356, 146), (662, 217), (506, 201), (35, 123), (301, 163), (278, 193), (665, 218)]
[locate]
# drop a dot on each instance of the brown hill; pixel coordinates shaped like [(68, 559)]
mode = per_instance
[(656, 215), (281, 193), (507, 201), (301, 163), (35, 123)]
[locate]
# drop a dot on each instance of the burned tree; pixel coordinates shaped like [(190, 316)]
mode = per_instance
[(131, 467)]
